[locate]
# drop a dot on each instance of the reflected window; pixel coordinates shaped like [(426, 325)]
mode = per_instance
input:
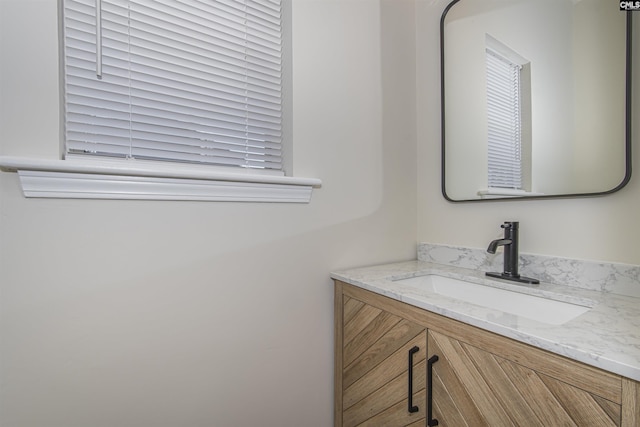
[(508, 118)]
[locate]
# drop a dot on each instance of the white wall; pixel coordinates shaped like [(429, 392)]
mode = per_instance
[(603, 228), (132, 313)]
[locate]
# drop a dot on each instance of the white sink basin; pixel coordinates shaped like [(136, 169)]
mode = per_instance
[(532, 307)]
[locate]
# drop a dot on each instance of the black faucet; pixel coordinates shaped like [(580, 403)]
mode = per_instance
[(510, 243)]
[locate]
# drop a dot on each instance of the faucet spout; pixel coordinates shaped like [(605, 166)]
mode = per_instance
[(493, 246)]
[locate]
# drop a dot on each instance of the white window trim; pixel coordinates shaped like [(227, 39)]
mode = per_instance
[(133, 180)]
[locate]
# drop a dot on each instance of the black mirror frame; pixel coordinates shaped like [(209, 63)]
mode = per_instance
[(627, 176)]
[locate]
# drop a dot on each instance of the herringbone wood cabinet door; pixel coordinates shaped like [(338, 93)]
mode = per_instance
[(473, 387), (375, 374)]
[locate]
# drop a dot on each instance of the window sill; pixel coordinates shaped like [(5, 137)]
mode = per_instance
[(491, 193), (72, 179)]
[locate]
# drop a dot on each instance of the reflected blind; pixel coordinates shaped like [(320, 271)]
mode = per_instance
[(504, 122), (195, 81)]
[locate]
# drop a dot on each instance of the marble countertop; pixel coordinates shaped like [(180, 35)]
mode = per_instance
[(607, 336)]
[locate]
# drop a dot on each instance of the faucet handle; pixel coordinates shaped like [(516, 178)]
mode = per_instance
[(510, 224)]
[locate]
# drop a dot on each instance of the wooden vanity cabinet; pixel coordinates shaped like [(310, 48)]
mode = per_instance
[(479, 378)]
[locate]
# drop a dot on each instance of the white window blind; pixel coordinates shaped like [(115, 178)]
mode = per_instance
[(504, 122), (192, 81)]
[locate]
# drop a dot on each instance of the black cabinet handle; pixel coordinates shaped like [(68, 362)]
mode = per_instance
[(430, 420), (411, 408)]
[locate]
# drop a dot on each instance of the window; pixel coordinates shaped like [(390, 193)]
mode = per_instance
[(508, 118), (187, 81), (504, 122), (171, 100)]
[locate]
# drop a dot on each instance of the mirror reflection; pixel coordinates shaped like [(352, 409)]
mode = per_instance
[(534, 98)]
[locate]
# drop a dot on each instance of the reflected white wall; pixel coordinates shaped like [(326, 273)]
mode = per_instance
[(599, 158)]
